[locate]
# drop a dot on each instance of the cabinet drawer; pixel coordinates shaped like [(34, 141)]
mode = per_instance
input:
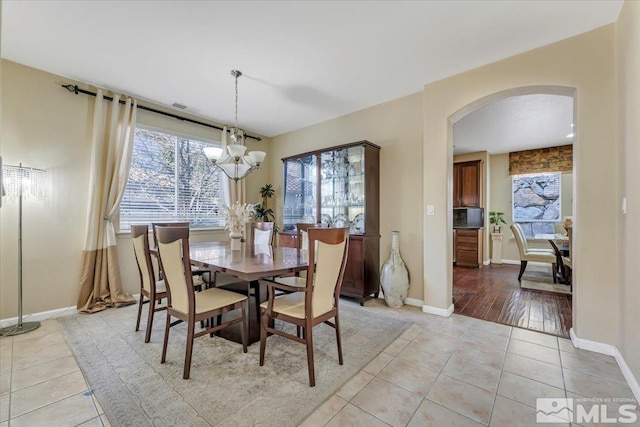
[(466, 232), (467, 239), (468, 246), (462, 255)]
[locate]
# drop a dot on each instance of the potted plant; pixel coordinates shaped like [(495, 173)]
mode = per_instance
[(496, 218), (262, 212)]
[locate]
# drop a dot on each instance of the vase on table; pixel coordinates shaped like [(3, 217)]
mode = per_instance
[(394, 276), (235, 239)]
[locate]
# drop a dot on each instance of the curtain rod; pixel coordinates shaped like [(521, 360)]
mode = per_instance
[(75, 89)]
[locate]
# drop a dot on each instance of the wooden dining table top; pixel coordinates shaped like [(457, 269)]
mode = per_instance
[(250, 262)]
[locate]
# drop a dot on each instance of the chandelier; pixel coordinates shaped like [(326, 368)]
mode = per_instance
[(235, 164)]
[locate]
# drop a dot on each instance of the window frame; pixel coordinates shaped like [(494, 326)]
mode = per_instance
[(537, 221), (178, 134)]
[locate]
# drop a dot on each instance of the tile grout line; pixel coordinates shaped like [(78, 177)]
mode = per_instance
[(51, 404)]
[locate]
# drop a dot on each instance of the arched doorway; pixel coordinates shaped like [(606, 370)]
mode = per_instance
[(484, 132)]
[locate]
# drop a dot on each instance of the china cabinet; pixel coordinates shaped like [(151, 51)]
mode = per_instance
[(339, 187)]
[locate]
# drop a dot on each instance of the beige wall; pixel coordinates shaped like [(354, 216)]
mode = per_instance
[(396, 126), (584, 62), (501, 200), (45, 126), (628, 91)]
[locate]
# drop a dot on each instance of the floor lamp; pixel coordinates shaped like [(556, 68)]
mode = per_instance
[(20, 182)]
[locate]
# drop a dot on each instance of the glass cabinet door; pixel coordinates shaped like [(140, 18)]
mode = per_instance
[(342, 189), (300, 189)]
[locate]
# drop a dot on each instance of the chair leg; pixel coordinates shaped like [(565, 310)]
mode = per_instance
[(139, 312), (152, 306), (166, 338), (309, 338), (299, 331), (553, 273), (337, 324), (189, 350), (256, 295), (523, 265), (243, 331), (263, 336)]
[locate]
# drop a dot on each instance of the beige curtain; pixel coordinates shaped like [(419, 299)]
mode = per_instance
[(112, 144)]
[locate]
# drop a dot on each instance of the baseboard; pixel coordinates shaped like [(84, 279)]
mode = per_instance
[(414, 302), (596, 347), (39, 317), (409, 301), (628, 375), (609, 350), (444, 312)]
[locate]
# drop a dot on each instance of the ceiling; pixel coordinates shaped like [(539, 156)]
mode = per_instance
[(303, 62), (516, 123)]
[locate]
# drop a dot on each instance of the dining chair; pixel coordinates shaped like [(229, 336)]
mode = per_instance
[(302, 242), (568, 260), (205, 275), (261, 233), (529, 254), (317, 302), (154, 291), (184, 303)]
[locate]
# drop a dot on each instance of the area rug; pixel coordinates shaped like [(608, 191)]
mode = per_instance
[(542, 281), (227, 387)]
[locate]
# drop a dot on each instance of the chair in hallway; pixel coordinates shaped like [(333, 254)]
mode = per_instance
[(184, 303), (317, 302), (535, 255)]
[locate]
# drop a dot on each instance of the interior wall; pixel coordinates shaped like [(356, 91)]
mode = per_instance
[(502, 196), (46, 127), (396, 126), (586, 63), (628, 92)]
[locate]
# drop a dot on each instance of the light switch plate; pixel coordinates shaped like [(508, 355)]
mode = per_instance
[(431, 210)]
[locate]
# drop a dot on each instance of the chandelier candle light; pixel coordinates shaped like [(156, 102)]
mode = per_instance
[(21, 182), (235, 165)]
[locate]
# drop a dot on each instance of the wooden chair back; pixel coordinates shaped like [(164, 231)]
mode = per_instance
[(302, 228), (329, 247), (173, 250), (261, 233), (165, 224), (140, 237)]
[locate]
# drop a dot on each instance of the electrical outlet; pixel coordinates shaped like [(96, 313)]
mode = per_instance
[(431, 210)]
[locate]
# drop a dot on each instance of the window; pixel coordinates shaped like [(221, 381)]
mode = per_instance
[(536, 202), (171, 180)]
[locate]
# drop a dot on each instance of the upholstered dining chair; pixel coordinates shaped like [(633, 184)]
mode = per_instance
[(568, 260), (317, 302), (261, 233), (184, 303), (154, 291), (529, 254), (205, 275)]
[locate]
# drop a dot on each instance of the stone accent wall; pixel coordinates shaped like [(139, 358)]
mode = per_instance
[(551, 159)]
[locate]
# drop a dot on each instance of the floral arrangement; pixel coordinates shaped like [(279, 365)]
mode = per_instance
[(236, 216)]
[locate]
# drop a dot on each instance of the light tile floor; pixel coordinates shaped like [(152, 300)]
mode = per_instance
[(455, 371)]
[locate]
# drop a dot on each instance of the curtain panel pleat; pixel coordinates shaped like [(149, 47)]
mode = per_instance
[(551, 159), (112, 145)]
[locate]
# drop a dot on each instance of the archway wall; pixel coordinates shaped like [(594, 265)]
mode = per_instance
[(582, 66)]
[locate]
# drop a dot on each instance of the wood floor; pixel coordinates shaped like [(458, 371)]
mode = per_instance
[(493, 293)]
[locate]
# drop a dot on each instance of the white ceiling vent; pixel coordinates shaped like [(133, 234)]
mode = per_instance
[(178, 105)]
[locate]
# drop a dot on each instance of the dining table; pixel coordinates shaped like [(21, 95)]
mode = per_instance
[(560, 245), (250, 263)]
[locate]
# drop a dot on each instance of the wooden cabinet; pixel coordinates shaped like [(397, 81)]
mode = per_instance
[(466, 184), (340, 187), (468, 247)]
